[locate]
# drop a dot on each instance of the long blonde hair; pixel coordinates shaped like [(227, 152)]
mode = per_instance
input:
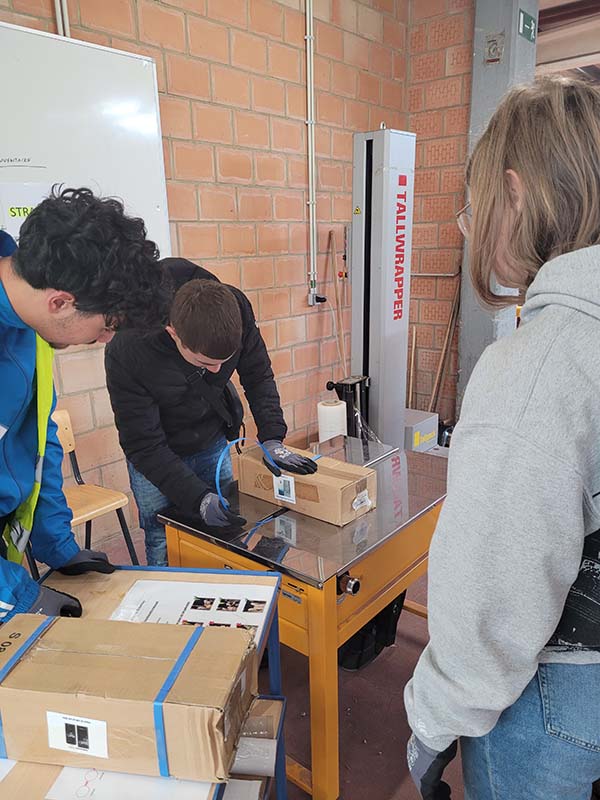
[(549, 134)]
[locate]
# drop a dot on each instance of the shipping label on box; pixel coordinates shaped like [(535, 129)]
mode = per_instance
[(337, 493), (146, 699)]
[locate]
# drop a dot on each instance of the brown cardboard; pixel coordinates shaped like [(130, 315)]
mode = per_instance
[(333, 494), (112, 672)]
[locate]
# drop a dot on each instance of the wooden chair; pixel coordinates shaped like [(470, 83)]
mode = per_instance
[(87, 501)]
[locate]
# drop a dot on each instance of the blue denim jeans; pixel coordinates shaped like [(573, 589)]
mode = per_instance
[(544, 747), (150, 501)]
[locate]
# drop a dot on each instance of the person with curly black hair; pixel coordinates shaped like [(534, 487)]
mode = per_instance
[(82, 270)]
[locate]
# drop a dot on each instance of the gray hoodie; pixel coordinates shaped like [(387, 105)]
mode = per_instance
[(523, 494)]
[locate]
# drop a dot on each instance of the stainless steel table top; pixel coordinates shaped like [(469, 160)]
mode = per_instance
[(408, 485), (353, 450)]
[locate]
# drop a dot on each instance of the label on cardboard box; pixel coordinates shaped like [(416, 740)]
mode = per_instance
[(284, 488), (77, 735), (361, 500)]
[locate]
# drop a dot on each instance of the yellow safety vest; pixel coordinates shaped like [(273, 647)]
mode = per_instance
[(18, 529)]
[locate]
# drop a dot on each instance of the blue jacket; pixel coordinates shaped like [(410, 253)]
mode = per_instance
[(52, 540)]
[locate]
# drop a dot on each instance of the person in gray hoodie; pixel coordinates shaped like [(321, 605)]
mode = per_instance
[(512, 668)]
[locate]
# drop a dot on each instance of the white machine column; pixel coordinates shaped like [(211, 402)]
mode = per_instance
[(381, 246)]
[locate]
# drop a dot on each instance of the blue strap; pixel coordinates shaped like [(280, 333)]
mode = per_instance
[(159, 720), (224, 502), (12, 663)]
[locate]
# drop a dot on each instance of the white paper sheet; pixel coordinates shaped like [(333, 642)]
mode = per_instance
[(5, 767), (80, 784), (208, 604)]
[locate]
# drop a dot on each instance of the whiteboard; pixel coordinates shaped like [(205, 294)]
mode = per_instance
[(81, 115)]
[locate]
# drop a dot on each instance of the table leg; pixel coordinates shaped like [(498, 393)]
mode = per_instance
[(324, 704)]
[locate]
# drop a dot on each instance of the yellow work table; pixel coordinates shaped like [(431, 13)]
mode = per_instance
[(373, 559)]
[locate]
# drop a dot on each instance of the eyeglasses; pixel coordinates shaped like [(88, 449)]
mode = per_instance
[(463, 220)]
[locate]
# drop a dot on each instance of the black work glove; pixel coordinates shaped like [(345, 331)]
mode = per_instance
[(427, 767), (87, 561), (215, 516), (56, 604), (284, 458)]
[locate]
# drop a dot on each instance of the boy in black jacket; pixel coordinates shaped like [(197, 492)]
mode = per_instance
[(171, 433)]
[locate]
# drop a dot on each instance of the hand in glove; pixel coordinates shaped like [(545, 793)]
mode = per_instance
[(284, 458), (427, 767), (87, 561), (56, 604), (215, 516)]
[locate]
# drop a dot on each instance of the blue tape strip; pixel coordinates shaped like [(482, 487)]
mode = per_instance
[(159, 720), (3, 753), (224, 502), (317, 456)]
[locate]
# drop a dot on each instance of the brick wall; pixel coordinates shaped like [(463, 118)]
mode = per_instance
[(232, 94), (440, 44)]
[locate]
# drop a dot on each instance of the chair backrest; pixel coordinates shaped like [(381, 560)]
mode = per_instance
[(65, 430)]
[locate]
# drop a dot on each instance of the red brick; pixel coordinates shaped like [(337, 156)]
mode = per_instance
[(297, 172), (248, 51), (287, 135), (438, 209), (381, 60), (443, 93), (298, 237), (456, 120), (40, 8), (322, 73), (369, 87), (427, 181), (294, 24), (270, 169), (330, 176), (289, 205), (161, 26), (427, 360), (212, 123), (230, 86), (422, 288), (300, 305), (234, 12), (439, 152), (227, 271), (329, 352), (257, 273), (306, 356), (319, 326), (238, 240), (342, 207), (399, 69), (445, 261), (266, 17), (425, 235), (330, 109), (234, 166), (167, 158), (217, 202), (291, 331), (446, 31), (459, 5), (450, 235), (394, 33), (281, 361), (89, 36), (370, 23), (343, 79), (324, 203), (436, 311), (143, 50), (290, 270), (197, 6), (284, 62), (193, 161), (268, 331), (427, 8), (292, 390), (295, 101), (115, 16), (175, 117), (182, 200), (188, 77), (446, 288), (342, 145), (389, 6), (417, 39), (356, 50), (208, 40), (251, 130), (199, 241), (273, 238), (344, 14), (427, 124), (329, 41), (268, 95), (416, 98), (392, 94), (255, 204), (356, 115), (428, 66), (459, 59), (453, 180), (274, 303), (323, 142)]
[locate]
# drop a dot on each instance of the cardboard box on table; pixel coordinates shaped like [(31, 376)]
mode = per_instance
[(102, 678), (338, 492)]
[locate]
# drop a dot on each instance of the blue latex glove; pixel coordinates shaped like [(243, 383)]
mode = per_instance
[(427, 767), (215, 516), (284, 458), (87, 561), (55, 604)]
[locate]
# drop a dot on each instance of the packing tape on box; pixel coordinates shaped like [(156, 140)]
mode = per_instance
[(159, 719), (14, 660)]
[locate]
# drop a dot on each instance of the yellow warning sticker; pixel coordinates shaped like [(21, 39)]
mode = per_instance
[(357, 210)]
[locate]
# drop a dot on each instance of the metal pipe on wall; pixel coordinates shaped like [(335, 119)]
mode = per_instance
[(60, 28), (65, 18), (312, 169)]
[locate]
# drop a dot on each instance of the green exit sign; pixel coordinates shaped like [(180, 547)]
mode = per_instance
[(527, 26)]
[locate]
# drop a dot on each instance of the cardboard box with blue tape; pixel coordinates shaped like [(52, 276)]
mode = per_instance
[(144, 699)]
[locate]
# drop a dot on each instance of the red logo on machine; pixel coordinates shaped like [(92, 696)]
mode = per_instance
[(400, 250)]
